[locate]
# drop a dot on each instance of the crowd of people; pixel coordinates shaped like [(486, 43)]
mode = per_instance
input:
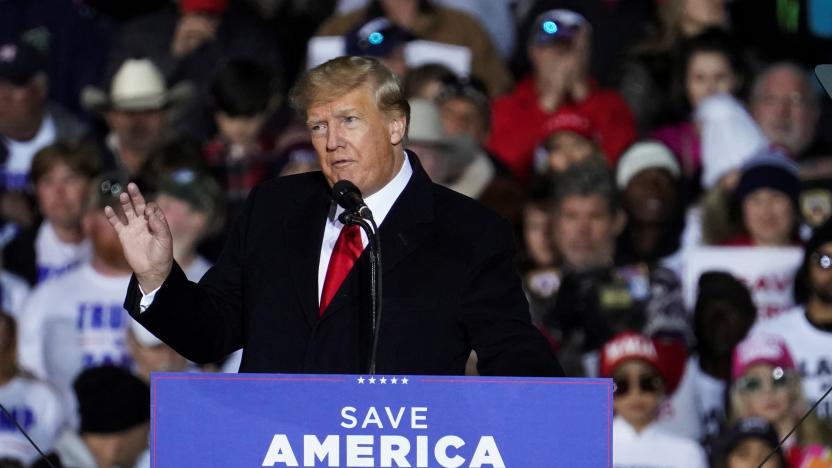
[(667, 165)]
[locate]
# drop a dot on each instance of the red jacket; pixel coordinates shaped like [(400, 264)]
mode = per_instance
[(517, 124)]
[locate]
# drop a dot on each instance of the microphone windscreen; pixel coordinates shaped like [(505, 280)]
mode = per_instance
[(346, 194)]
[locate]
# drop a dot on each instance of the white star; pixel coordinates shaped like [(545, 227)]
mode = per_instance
[(361, 380), (372, 380), (404, 380), (383, 380), (394, 381)]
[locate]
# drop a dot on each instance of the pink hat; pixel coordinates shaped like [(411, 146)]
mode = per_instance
[(760, 349)]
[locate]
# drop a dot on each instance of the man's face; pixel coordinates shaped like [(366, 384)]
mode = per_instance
[(462, 117), (241, 131), (585, 231), (187, 225), (355, 140), (784, 110), (158, 358), (721, 326), (60, 193), (105, 243), (432, 159), (132, 443), (139, 130), (651, 196), (21, 106), (820, 278)]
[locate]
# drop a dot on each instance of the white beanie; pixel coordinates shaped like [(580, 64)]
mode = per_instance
[(729, 136), (642, 156)]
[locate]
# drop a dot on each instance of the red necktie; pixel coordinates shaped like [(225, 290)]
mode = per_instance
[(347, 249)]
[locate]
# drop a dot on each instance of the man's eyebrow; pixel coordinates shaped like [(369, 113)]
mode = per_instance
[(347, 111)]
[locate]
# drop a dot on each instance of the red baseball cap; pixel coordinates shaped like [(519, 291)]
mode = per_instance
[(203, 6), (666, 356), (566, 120)]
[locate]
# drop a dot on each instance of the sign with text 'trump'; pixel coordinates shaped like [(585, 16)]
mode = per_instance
[(248, 420)]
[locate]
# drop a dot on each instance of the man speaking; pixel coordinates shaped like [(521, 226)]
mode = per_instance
[(292, 286)]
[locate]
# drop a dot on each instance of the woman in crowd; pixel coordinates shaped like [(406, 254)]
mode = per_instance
[(709, 66), (647, 77), (766, 384), (765, 202)]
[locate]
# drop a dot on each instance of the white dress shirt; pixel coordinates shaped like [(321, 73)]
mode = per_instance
[(379, 203)]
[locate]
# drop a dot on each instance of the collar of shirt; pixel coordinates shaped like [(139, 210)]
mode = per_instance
[(624, 431), (379, 203)]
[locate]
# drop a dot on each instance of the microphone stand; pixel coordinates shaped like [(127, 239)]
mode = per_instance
[(369, 226)]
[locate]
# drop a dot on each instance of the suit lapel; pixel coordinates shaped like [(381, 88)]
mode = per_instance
[(304, 235), (405, 227), (407, 224)]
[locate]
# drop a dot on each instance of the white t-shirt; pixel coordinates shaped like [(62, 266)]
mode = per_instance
[(697, 408), (13, 293), (71, 323), (811, 350), (38, 409), (55, 257), (15, 171), (653, 447)]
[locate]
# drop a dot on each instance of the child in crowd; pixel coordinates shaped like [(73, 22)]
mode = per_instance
[(746, 444), (643, 378), (766, 384), (569, 138)]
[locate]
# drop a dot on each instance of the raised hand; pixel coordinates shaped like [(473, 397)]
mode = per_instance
[(145, 238)]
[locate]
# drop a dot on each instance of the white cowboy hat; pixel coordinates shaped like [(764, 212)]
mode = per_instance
[(426, 128), (137, 85)]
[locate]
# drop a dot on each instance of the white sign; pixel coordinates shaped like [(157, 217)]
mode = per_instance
[(768, 272), (417, 52)]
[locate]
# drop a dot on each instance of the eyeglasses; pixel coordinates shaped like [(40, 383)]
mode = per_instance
[(751, 384), (647, 383), (823, 260)]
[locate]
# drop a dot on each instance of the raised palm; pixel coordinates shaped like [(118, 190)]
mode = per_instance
[(145, 238)]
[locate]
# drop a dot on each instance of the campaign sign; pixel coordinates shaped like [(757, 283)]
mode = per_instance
[(247, 420), (768, 272)]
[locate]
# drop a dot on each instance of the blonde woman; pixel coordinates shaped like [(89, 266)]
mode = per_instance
[(766, 384)]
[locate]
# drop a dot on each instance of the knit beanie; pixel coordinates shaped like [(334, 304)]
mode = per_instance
[(770, 169), (110, 400)]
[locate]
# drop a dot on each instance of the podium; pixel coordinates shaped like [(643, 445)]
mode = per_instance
[(253, 420)]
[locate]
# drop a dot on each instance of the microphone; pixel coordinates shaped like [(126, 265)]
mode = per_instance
[(347, 195)]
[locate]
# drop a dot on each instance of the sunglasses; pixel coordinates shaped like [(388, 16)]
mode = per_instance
[(751, 384), (647, 383), (823, 260)]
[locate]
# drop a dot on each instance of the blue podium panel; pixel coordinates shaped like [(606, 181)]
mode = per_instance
[(253, 420)]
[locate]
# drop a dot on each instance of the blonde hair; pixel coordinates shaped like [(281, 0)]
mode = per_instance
[(811, 431), (339, 76)]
